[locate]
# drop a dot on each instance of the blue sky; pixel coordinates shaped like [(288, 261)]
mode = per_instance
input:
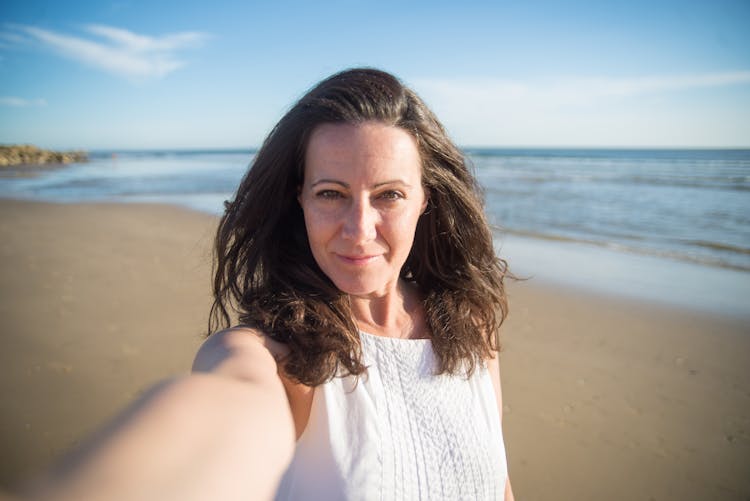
[(139, 74)]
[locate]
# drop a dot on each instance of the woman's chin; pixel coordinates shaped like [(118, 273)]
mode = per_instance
[(363, 290)]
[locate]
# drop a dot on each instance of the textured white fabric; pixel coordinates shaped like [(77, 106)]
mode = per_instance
[(401, 433)]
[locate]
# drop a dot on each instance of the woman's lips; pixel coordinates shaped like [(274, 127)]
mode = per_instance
[(357, 260)]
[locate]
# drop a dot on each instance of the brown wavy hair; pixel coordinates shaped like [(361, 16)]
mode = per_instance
[(264, 269)]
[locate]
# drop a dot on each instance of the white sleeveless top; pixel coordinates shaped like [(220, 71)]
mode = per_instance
[(400, 433)]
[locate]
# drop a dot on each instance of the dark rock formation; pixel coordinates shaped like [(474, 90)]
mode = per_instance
[(26, 154)]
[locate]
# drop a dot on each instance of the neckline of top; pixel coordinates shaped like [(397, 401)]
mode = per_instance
[(396, 339)]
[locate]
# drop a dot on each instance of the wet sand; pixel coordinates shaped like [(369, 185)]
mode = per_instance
[(605, 397)]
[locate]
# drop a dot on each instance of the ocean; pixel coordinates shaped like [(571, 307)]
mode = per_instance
[(664, 226), (685, 205)]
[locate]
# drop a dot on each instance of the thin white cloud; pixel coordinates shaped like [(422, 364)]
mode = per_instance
[(19, 102), (582, 111), (140, 43), (591, 90), (8, 38), (563, 91), (119, 51), (635, 86)]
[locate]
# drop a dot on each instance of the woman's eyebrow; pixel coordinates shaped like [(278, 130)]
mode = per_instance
[(392, 181), (329, 181), (376, 185)]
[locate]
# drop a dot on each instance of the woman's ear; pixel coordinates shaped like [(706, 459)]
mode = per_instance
[(426, 201)]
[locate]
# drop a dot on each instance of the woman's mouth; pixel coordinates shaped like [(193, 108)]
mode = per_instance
[(356, 260)]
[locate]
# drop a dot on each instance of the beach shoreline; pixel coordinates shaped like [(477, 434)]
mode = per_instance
[(606, 396), (633, 276)]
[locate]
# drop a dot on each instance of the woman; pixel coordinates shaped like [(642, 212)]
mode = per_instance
[(358, 259), (358, 239)]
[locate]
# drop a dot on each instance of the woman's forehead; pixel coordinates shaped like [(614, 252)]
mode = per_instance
[(363, 136), (366, 148)]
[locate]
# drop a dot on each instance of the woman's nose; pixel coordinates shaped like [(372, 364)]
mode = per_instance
[(360, 222)]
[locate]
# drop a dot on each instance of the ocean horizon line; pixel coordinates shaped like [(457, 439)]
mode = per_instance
[(468, 149), (464, 147)]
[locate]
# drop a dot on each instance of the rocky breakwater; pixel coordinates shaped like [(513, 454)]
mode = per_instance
[(26, 154)]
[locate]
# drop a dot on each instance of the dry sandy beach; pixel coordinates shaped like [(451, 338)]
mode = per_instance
[(605, 398)]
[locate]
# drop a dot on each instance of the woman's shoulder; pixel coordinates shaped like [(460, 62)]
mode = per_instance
[(249, 354), (239, 352)]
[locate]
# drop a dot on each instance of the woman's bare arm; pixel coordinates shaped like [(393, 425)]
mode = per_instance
[(224, 432), (493, 365)]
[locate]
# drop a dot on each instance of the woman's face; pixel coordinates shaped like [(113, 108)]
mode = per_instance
[(362, 197)]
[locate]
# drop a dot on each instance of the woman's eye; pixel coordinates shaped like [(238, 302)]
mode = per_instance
[(328, 194), (391, 195)]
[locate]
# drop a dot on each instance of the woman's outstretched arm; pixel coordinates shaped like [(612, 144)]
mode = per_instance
[(224, 432), (494, 367)]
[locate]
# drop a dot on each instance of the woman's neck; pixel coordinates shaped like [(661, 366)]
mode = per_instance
[(397, 314)]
